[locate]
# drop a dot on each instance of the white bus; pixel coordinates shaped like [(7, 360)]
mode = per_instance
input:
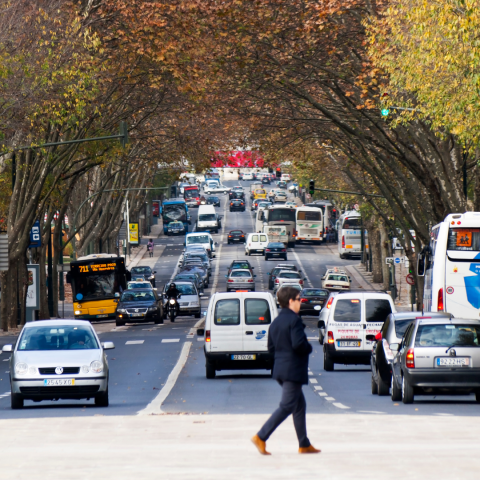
[(350, 234), (280, 215), (451, 266), (309, 224), (327, 213)]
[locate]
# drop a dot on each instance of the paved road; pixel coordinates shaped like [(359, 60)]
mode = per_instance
[(139, 372)]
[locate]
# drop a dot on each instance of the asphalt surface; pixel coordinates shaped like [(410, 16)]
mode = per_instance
[(138, 372)]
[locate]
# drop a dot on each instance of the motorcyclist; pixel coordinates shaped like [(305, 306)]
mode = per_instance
[(173, 292)]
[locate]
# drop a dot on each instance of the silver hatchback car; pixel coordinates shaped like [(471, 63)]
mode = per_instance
[(240, 279), (55, 360), (437, 356)]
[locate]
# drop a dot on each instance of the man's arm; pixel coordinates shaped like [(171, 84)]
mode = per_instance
[(300, 344), (271, 346)]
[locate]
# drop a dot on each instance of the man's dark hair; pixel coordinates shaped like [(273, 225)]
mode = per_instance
[(285, 294)]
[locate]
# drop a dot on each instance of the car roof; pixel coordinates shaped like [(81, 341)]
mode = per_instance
[(241, 270), (365, 294), (445, 321), (240, 295), (289, 271), (56, 323), (240, 261), (419, 315)]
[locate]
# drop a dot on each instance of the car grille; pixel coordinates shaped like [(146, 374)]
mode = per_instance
[(77, 390), (66, 370), (137, 310)]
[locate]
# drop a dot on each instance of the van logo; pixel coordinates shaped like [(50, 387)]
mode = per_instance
[(260, 334), (59, 370)]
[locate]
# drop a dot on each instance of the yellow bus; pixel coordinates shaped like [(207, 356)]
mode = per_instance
[(259, 193), (97, 281)]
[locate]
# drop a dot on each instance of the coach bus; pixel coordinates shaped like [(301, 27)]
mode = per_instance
[(350, 235), (282, 215), (451, 266), (173, 210), (191, 195), (97, 281), (309, 224)]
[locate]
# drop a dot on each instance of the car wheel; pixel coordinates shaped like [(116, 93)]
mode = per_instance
[(209, 370), (342, 256), (320, 339), (266, 258), (328, 364), (477, 396), (101, 400), (383, 387), (228, 242), (119, 323), (374, 386), (16, 401), (407, 391), (158, 320), (286, 258), (198, 315), (395, 392)]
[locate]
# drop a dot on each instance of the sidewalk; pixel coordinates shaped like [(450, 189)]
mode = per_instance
[(354, 446)]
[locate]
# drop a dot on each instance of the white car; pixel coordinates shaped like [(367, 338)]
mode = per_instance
[(285, 177), (288, 276), (256, 243), (336, 281), (248, 176), (219, 188), (291, 204), (280, 196), (236, 331), (189, 302)]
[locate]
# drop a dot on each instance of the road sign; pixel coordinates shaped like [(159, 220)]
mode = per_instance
[(389, 260), (410, 280), (35, 240), (398, 260)]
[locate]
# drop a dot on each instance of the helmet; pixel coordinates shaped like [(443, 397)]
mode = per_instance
[(172, 285)]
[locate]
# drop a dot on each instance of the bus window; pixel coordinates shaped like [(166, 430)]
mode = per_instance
[(311, 216), (278, 214), (464, 239)]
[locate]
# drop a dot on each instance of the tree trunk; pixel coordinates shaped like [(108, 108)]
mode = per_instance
[(4, 300), (384, 253), (23, 287), (43, 313), (376, 252)]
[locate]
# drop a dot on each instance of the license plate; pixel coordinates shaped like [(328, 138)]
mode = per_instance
[(104, 315), (183, 304), (243, 357), (276, 254), (314, 301), (453, 362), (137, 314), (54, 382), (349, 343)]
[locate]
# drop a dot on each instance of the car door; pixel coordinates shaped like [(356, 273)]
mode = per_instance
[(258, 314), (227, 328)]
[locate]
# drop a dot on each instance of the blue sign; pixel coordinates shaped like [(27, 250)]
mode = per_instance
[(35, 240), (397, 260), (385, 112)]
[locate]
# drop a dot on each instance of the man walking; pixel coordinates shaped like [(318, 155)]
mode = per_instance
[(289, 344)]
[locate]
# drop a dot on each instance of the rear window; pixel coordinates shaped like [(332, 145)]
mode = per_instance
[(348, 310), (237, 273), (377, 310), (315, 293), (447, 335), (240, 265), (257, 312), (467, 239), (338, 278), (401, 327), (263, 238), (289, 275), (352, 223), (227, 312), (255, 238)]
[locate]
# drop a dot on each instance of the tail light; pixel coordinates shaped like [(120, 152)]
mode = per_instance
[(303, 300), (330, 337), (229, 236), (301, 282), (343, 241), (440, 300), (329, 286), (231, 204), (277, 280), (251, 280), (378, 336), (207, 336), (294, 233), (410, 358), (230, 281), (267, 249), (284, 249), (330, 301)]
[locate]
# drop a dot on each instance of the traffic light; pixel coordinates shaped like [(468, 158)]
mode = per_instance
[(279, 172), (311, 188)]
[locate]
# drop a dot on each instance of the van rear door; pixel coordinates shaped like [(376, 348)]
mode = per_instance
[(376, 312), (227, 329), (258, 315), (346, 323)]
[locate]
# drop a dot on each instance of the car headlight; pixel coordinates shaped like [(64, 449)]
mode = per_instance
[(152, 309), (21, 368), (85, 369), (194, 304), (172, 301), (121, 310), (32, 370), (96, 366), (78, 312)]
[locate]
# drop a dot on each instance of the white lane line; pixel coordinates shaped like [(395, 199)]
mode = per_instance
[(310, 373), (170, 340), (303, 269), (317, 387), (313, 380), (155, 406), (444, 414), (340, 405), (6, 360), (330, 399), (371, 411), (134, 342), (323, 394), (313, 338), (189, 336), (200, 339)]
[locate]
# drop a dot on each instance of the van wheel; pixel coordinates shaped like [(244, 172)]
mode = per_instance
[(158, 320), (407, 391), (247, 253), (477, 396), (328, 364), (374, 386), (383, 387), (209, 370), (396, 393), (198, 315)]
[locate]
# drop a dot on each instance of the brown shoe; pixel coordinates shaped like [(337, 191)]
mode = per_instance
[(260, 444), (310, 449)]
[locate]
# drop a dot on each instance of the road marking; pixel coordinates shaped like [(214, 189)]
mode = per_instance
[(330, 399), (134, 342), (313, 338), (303, 269), (445, 414), (6, 360), (200, 339), (313, 380), (155, 406), (310, 373), (323, 394), (318, 387), (340, 405), (371, 411), (189, 336), (170, 340)]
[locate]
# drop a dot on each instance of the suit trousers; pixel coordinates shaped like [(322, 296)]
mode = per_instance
[(292, 403)]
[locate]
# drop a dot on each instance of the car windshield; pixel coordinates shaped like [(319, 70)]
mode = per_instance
[(338, 278), (186, 289), (240, 273), (289, 275), (293, 285), (137, 285), (448, 335), (132, 296), (142, 270), (348, 310), (315, 293), (175, 224), (240, 265), (179, 278), (201, 256), (207, 217), (60, 337), (197, 239), (236, 232)]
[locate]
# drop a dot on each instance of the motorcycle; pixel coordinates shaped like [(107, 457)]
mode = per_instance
[(172, 308)]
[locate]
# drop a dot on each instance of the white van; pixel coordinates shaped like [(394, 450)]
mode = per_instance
[(201, 238), (236, 331), (285, 177), (207, 219), (256, 243), (351, 317)]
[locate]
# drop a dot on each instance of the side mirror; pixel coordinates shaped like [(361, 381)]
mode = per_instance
[(269, 273), (117, 295), (154, 271), (7, 348), (370, 338), (394, 347), (200, 332), (226, 276), (254, 276), (317, 308), (108, 345), (201, 294)]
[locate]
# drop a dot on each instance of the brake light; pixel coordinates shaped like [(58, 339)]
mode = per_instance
[(330, 338), (329, 286), (251, 280), (230, 281), (343, 241), (229, 236), (301, 282), (277, 280), (378, 336), (207, 336), (440, 300), (294, 233), (330, 301), (267, 249), (410, 358), (303, 300), (284, 250), (231, 203)]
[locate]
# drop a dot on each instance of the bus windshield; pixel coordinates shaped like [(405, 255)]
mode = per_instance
[(278, 214), (191, 192), (464, 239), (312, 216), (94, 286), (174, 212)]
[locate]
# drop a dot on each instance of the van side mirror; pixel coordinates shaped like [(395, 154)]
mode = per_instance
[(7, 348)]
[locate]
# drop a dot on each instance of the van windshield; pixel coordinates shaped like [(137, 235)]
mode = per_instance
[(348, 310), (207, 217), (197, 239)]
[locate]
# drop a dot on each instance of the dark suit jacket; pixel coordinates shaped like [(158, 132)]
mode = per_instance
[(288, 343)]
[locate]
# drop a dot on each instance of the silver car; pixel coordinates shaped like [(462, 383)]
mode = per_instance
[(189, 301), (287, 276), (437, 357), (240, 279), (55, 360)]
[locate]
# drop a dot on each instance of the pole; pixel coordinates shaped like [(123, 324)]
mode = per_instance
[(50, 274)]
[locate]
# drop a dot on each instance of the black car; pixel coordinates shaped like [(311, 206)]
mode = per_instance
[(236, 194), (143, 273), (139, 305), (215, 201), (310, 298), (272, 275), (176, 228), (237, 205), (202, 271), (193, 256), (282, 184), (276, 250), (265, 181), (236, 236)]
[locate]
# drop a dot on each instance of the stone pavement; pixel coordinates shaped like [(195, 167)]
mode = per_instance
[(356, 446)]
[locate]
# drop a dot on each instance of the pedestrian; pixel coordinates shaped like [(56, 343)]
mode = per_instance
[(150, 247), (289, 345)]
